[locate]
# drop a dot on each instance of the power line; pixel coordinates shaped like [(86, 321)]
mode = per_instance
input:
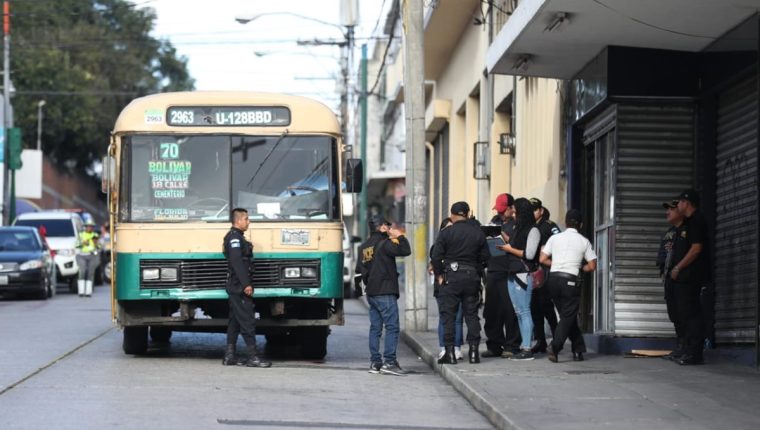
[(387, 48), (656, 27)]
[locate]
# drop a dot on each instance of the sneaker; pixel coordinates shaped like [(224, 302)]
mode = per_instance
[(458, 352), (393, 369), (441, 353), (509, 353), (375, 367), (522, 356)]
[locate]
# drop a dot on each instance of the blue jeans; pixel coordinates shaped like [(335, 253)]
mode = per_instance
[(383, 311), (521, 301), (458, 336)]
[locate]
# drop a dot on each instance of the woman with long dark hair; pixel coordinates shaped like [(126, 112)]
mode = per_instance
[(523, 250)]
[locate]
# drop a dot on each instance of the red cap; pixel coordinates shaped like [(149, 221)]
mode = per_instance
[(503, 201)]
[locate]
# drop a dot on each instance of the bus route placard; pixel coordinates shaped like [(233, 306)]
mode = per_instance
[(228, 116)]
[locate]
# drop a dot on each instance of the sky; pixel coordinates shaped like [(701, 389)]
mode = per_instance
[(262, 55)]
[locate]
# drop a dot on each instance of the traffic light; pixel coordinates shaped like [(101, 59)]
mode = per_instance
[(14, 148)]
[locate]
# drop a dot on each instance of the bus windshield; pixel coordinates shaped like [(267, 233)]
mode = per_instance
[(176, 178)]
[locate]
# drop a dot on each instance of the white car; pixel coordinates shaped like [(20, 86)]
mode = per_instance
[(62, 233), (349, 262)]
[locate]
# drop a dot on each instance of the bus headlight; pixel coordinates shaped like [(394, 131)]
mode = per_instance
[(291, 272), (150, 274), (168, 273), (308, 272)]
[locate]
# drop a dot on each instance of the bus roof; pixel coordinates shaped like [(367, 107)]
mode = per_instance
[(307, 115)]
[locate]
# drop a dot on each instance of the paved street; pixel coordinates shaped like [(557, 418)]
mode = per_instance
[(61, 366)]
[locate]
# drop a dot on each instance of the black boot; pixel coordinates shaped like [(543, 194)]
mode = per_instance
[(254, 360), (678, 352), (229, 356), (474, 353), (449, 357)]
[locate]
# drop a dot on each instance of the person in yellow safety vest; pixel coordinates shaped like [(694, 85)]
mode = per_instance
[(87, 258)]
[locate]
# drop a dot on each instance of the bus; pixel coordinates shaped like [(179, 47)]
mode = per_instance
[(177, 164)]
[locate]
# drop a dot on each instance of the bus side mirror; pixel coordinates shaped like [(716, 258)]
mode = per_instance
[(354, 175), (108, 174)]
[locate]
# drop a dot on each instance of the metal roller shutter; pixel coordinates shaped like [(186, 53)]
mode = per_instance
[(735, 254), (655, 159)]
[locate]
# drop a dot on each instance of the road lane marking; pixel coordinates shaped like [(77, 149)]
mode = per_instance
[(47, 366)]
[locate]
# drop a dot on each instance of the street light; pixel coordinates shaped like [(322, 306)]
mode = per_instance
[(40, 104), (346, 65), (243, 20)]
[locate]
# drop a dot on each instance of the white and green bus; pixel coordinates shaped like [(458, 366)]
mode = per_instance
[(177, 164)]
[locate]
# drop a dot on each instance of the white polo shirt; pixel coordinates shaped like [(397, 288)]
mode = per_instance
[(568, 250)]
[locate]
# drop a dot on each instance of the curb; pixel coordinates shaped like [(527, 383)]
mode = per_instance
[(478, 401)]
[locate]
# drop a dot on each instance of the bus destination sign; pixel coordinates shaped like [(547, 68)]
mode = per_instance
[(228, 116)]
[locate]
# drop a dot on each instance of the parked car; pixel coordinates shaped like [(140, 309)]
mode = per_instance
[(349, 262), (26, 266), (62, 234)]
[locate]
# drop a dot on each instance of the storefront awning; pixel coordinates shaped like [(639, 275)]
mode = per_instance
[(557, 38)]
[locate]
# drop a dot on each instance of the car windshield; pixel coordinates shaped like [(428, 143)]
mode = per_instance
[(19, 241), (53, 227), (201, 177)]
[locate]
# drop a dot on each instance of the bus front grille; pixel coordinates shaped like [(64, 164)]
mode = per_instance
[(207, 274)]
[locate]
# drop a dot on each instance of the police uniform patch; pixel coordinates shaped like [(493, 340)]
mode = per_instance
[(235, 243)]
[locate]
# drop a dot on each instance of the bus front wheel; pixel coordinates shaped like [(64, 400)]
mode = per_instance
[(135, 340), (314, 342), (160, 334)]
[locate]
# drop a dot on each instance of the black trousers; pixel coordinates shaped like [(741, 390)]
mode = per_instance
[(542, 306), (690, 315), (462, 287), (672, 307), (242, 320), (566, 294), (708, 310), (500, 325)]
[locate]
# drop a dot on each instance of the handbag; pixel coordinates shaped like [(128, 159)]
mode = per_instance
[(539, 277)]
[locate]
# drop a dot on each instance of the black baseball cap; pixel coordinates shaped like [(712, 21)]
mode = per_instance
[(460, 208), (537, 204), (376, 221), (672, 204), (689, 195), (573, 215)]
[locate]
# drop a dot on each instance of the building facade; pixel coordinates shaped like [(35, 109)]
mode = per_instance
[(659, 96)]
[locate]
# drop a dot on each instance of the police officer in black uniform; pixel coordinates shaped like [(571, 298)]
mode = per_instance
[(690, 269), (665, 263), (541, 304), (459, 257), (239, 255)]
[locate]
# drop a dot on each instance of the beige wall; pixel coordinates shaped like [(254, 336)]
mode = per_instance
[(538, 161), (534, 172)]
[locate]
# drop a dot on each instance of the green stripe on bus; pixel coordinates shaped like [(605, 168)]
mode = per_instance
[(128, 277)]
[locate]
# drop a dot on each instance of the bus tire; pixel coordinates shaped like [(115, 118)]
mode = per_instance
[(135, 340), (314, 342), (160, 334)]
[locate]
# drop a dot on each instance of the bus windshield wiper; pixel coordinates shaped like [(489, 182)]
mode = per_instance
[(269, 154)]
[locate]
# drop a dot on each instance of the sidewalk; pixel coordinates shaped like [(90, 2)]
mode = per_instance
[(605, 391)]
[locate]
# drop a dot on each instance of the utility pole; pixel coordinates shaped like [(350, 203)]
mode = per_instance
[(362, 215), (415, 316), (6, 108)]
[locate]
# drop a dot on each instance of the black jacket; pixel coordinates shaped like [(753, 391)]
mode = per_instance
[(463, 243), (367, 255), (382, 278), (239, 255)]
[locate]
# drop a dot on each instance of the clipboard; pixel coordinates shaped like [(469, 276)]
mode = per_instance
[(492, 243)]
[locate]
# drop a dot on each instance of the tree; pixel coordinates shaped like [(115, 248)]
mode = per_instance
[(87, 59)]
